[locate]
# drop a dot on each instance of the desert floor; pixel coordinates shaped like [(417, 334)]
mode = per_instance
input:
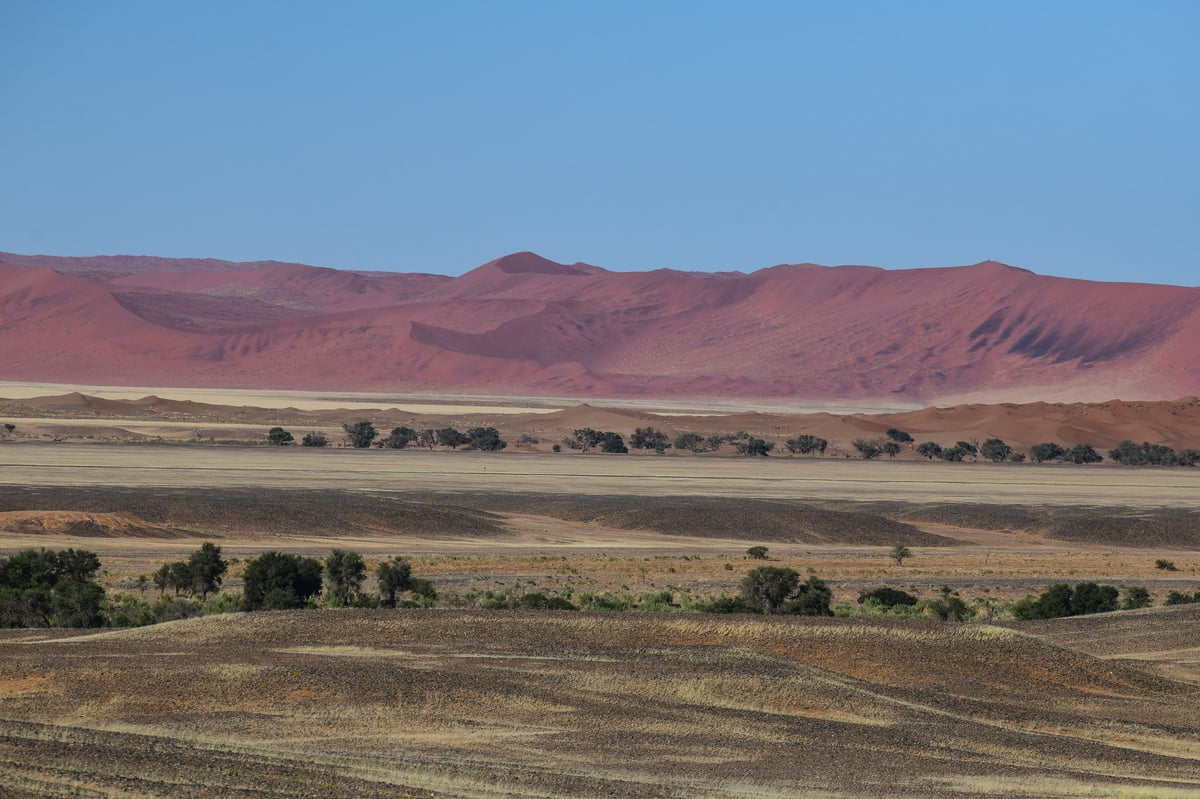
[(460, 702)]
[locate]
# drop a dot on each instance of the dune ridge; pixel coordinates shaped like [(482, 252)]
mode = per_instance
[(523, 324)]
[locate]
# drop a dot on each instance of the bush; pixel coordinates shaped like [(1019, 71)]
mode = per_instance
[(887, 598), (1165, 565), (43, 588), (757, 553), (314, 440), (1083, 453), (774, 589), (899, 435), (277, 436), (277, 581), (1136, 596), (1178, 598), (1062, 600), (725, 604)]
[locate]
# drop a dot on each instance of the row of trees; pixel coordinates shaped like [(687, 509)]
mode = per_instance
[(362, 435)]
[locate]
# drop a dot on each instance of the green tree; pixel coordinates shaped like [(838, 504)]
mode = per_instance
[(314, 439), (452, 438), (891, 449), (344, 572), (427, 438), (995, 450), (1083, 453), (278, 437), (757, 553), (649, 438), (360, 434), (206, 568), (1136, 597), (693, 442), (394, 577), (43, 588), (613, 443), (278, 581), (952, 454), (929, 449), (1047, 451), (486, 439), (811, 598), (400, 438), (754, 447), (899, 553), (899, 435), (806, 444), (887, 598), (767, 588), (967, 447), (867, 449), (584, 439)]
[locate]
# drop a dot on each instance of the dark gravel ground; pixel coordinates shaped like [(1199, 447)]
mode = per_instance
[(515, 704)]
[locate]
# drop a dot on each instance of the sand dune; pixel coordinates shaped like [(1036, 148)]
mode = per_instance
[(524, 325)]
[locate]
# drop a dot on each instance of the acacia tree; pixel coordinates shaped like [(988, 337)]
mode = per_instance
[(314, 439), (754, 447), (806, 444), (1083, 453), (995, 450), (930, 449), (693, 442), (768, 587), (867, 449), (486, 439), (451, 437), (345, 572), (394, 576), (898, 553), (649, 438), (278, 581), (360, 434), (1046, 451), (400, 438), (777, 589), (278, 437), (206, 569)]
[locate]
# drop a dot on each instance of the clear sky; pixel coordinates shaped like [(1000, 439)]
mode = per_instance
[(1063, 137)]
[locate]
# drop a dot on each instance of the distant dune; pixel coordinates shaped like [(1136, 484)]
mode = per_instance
[(525, 325)]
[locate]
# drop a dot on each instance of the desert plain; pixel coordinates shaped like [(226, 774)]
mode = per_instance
[(458, 701)]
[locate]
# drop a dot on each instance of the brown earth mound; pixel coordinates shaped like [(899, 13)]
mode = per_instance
[(84, 525)]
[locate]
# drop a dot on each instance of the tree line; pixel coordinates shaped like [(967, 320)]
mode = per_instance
[(363, 434)]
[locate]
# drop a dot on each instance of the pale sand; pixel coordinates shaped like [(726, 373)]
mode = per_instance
[(444, 403), (301, 400), (572, 473)]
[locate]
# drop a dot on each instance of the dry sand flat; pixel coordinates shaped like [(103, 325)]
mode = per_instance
[(509, 704), (570, 473)]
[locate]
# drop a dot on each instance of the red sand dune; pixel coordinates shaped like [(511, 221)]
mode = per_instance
[(524, 324)]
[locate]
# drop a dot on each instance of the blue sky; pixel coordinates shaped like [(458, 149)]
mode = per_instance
[(1061, 137)]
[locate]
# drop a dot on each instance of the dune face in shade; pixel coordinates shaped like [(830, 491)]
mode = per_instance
[(525, 325)]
